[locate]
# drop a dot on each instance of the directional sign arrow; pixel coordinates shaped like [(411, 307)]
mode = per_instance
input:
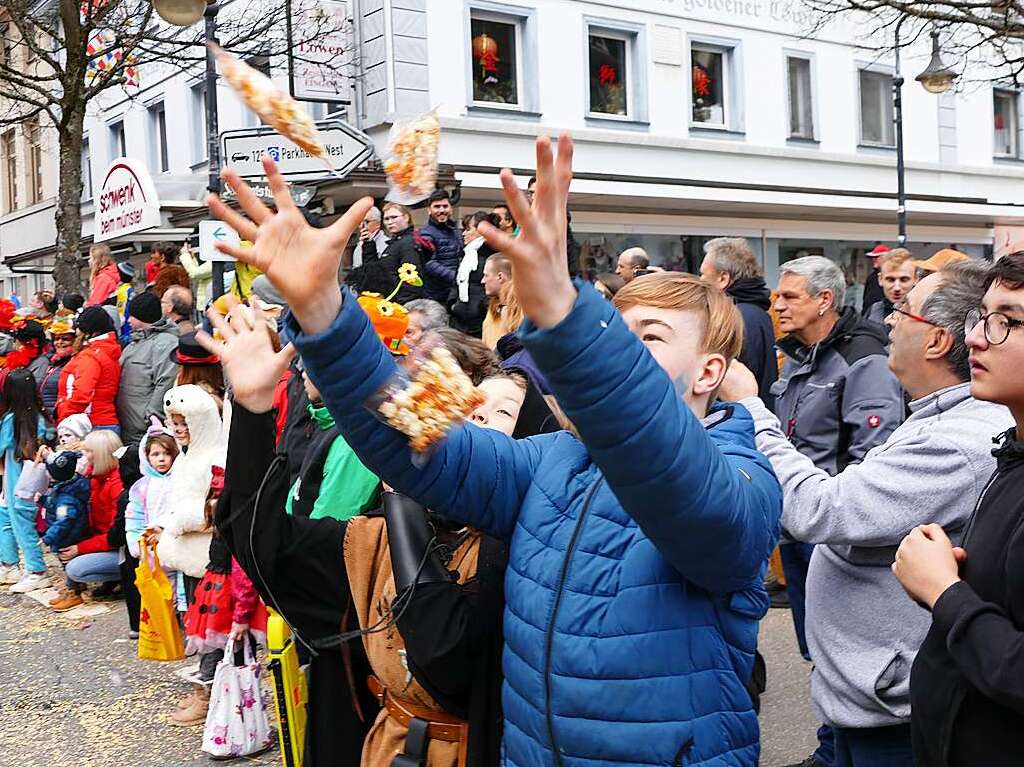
[(219, 234)]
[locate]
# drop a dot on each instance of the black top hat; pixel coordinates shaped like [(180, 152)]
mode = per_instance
[(30, 331), (189, 352)]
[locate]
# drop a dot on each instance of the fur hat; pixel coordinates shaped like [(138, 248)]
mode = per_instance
[(77, 425)]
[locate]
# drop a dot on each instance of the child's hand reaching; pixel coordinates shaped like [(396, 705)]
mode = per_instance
[(247, 354)]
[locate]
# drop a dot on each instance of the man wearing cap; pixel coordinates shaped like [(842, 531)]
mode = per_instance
[(147, 371), (938, 261), (88, 383), (872, 287)]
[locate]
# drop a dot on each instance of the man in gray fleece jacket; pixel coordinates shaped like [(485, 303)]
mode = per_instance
[(862, 633)]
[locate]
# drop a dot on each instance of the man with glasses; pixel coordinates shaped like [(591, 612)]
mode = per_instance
[(862, 634), (967, 682)]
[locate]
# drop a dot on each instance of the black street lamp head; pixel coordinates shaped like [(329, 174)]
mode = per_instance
[(937, 77), (180, 13)]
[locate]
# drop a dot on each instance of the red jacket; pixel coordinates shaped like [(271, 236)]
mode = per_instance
[(151, 271), (102, 511), (106, 282), (88, 383)]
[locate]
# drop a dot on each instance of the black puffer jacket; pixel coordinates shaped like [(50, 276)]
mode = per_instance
[(753, 299)]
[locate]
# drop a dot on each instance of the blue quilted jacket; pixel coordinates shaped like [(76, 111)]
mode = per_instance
[(634, 581)]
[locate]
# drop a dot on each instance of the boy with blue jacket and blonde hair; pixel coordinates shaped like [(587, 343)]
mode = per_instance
[(637, 552)]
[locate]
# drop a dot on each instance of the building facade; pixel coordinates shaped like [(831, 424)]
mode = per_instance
[(692, 119)]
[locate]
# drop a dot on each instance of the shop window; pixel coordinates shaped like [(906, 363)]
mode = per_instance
[(1005, 121), (876, 109), (496, 51), (801, 104), (608, 73)]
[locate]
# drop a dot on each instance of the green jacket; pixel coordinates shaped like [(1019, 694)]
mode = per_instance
[(343, 488)]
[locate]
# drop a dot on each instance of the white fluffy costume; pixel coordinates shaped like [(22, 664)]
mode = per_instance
[(185, 540)]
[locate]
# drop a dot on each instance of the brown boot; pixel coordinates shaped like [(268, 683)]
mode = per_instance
[(70, 600), (186, 701), (60, 597), (195, 714)]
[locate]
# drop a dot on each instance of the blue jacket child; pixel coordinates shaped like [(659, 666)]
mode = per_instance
[(66, 503)]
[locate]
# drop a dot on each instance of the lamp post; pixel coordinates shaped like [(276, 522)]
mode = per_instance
[(936, 78), (185, 13)]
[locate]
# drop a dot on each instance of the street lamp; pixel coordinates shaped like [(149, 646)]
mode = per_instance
[(185, 13), (936, 78)]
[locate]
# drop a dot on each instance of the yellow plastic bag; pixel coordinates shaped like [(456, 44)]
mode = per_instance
[(159, 631)]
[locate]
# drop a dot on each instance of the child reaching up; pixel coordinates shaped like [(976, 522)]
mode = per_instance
[(66, 503)]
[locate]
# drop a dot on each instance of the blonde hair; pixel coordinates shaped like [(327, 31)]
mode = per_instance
[(510, 316), (896, 257), (401, 208), (100, 256), (723, 325), (102, 443)]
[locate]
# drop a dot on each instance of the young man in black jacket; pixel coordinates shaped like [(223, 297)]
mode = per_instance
[(967, 682)]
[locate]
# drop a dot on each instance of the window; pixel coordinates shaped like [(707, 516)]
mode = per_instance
[(260, 64), (86, 171), (496, 53), (876, 109), (709, 88), (34, 160), (801, 110), (608, 75), (8, 148), (159, 158), (1005, 123), (118, 146), (6, 44), (200, 151)]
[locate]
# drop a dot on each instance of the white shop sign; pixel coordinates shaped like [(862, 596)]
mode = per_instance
[(321, 68), (127, 201)]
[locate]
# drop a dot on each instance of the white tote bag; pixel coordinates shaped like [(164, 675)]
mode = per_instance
[(236, 723)]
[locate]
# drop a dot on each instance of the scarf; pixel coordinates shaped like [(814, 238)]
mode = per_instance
[(469, 263)]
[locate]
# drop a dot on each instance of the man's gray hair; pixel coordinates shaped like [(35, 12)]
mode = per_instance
[(180, 299), (733, 256), (821, 275), (963, 286), (373, 214), (434, 315), (636, 257)]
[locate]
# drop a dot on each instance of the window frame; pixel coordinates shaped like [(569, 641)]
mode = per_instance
[(518, 23), (197, 118), (9, 151), (787, 55), (159, 149), (117, 138), (34, 186), (86, 170), (733, 113), (1014, 97), (527, 88), (261, 63), (637, 66), (878, 71)]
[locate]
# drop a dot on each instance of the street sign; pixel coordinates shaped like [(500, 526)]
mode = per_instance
[(346, 148), (322, 60), (300, 194), (127, 201), (212, 232)]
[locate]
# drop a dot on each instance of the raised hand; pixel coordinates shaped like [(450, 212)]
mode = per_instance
[(540, 271), (247, 354), (301, 261)]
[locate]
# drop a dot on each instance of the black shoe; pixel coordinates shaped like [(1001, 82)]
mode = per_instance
[(781, 599), (808, 762), (109, 590)]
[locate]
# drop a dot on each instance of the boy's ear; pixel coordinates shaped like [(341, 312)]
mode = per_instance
[(712, 373)]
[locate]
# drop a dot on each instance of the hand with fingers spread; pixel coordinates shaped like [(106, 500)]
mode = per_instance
[(301, 261), (540, 275), (247, 354)]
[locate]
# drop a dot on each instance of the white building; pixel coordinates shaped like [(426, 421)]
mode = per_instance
[(692, 119)]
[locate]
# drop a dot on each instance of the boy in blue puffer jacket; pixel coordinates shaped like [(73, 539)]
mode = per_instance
[(637, 552), (66, 503)]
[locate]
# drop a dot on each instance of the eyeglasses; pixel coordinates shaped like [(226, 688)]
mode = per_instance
[(997, 325), (900, 310)]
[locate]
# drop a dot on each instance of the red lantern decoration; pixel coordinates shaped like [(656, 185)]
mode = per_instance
[(485, 46)]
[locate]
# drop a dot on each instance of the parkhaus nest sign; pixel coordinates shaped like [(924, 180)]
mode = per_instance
[(127, 201)]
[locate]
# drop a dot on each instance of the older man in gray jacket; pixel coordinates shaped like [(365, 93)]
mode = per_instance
[(862, 634)]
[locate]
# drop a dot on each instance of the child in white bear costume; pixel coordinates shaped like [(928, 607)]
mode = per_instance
[(194, 419)]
